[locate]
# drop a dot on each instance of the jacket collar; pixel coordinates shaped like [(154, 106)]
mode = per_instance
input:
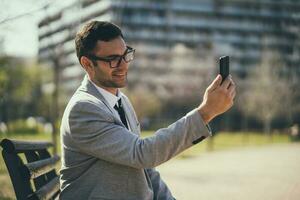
[(87, 86)]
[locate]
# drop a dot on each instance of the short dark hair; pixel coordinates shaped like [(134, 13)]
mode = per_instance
[(87, 37)]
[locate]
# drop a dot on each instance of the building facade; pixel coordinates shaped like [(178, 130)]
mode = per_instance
[(178, 40)]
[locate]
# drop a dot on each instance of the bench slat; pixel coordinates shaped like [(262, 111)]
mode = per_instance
[(48, 190), (40, 167), (21, 146)]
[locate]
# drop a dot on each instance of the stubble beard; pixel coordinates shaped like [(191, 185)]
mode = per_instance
[(113, 83)]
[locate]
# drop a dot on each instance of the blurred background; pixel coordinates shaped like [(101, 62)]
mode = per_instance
[(178, 44)]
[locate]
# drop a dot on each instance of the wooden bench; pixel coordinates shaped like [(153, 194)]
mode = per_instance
[(31, 168)]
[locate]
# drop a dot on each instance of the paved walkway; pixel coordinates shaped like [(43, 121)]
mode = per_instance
[(256, 173)]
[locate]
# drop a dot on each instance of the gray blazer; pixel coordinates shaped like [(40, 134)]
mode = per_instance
[(101, 159)]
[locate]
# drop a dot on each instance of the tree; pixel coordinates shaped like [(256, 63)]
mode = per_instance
[(145, 103), (20, 89), (267, 92)]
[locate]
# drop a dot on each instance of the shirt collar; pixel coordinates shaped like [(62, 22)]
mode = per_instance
[(109, 97)]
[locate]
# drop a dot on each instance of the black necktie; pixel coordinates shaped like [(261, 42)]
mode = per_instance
[(121, 112)]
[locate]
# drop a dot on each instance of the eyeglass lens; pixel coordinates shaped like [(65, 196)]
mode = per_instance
[(129, 56)]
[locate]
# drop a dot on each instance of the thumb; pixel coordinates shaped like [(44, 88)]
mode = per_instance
[(217, 82)]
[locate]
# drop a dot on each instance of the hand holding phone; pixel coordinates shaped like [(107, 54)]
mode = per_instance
[(224, 67)]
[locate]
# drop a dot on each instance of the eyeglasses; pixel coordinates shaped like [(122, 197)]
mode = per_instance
[(115, 61)]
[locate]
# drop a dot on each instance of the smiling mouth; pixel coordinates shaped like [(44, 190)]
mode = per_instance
[(119, 74)]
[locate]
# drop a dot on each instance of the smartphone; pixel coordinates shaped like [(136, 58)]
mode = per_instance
[(224, 67)]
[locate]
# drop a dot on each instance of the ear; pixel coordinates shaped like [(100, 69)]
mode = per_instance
[(88, 65)]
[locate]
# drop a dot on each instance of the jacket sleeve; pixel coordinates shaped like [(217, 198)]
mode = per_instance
[(93, 131)]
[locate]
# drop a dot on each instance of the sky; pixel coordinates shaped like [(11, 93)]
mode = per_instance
[(20, 35)]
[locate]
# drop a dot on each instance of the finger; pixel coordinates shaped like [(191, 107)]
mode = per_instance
[(233, 94), (232, 83), (215, 83), (232, 91), (226, 82)]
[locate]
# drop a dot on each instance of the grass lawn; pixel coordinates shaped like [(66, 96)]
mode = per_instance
[(221, 141)]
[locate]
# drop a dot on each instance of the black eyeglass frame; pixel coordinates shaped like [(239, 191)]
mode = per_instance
[(109, 60)]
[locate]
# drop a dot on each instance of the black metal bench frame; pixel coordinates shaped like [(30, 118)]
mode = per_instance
[(34, 177)]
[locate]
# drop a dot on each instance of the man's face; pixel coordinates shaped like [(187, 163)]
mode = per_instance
[(104, 76)]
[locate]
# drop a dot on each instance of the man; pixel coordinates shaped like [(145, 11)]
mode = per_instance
[(103, 156)]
